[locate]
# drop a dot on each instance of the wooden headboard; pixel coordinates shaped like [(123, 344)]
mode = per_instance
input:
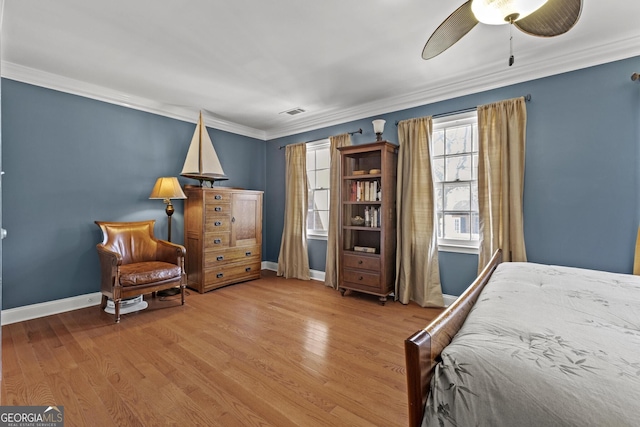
[(422, 349)]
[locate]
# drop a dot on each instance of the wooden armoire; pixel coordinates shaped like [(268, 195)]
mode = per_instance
[(223, 236)]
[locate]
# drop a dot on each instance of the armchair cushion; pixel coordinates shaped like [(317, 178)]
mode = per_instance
[(142, 273)]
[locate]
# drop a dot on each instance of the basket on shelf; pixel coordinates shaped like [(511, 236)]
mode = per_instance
[(358, 220)]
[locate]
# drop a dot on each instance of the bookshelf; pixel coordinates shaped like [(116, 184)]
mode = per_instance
[(368, 218)]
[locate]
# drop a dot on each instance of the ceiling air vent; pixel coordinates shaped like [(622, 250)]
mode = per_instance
[(293, 111)]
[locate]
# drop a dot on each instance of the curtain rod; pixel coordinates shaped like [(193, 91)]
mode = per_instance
[(350, 133), (527, 98)]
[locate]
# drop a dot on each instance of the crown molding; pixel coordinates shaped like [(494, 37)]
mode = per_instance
[(100, 93), (483, 80)]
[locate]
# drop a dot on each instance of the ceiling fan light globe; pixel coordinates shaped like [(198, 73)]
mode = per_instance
[(496, 12)]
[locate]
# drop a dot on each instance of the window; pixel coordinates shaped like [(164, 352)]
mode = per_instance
[(319, 183), (454, 154)]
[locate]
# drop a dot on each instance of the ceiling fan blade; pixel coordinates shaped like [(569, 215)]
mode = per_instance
[(450, 31), (554, 18)]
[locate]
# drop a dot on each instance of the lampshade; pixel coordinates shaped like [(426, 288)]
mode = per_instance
[(496, 12), (378, 125), (167, 188)]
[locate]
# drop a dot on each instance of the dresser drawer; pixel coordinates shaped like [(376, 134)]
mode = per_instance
[(362, 278), (218, 224), (215, 241), (232, 273), (223, 257), (362, 262), (214, 209), (212, 197)]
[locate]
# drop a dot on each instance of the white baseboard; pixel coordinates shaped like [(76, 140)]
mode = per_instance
[(33, 311), (273, 266), (319, 275), (449, 299)]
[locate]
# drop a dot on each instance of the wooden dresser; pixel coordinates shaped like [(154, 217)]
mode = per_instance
[(223, 236)]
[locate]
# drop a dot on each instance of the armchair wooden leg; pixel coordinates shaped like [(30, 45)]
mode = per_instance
[(117, 309), (103, 303), (182, 292)]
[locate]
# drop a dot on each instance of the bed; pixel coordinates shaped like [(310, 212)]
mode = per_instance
[(530, 345)]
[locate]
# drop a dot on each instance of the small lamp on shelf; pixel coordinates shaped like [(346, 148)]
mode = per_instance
[(378, 128), (167, 188)]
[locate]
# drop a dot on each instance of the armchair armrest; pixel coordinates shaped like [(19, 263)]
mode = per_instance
[(109, 263), (107, 256), (170, 252)]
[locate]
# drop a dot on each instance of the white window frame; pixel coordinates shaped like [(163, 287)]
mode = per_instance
[(455, 245), (314, 146)]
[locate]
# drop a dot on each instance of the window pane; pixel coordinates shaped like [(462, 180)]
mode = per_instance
[(457, 226), (310, 201), (322, 220), (321, 200), (474, 174), (311, 179), (310, 219), (458, 168), (311, 160), (475, 226), (474, 196), (323, 180), (457, 197), (438, 169), (437, 143), (475, 138), (438, 197), (458, 140), (322, 158)]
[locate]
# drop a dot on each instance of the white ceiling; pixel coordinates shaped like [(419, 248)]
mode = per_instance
[(243, 62)]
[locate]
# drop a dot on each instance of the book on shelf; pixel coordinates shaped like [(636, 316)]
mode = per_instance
[(366, 249), (372, 217), (365, 191)]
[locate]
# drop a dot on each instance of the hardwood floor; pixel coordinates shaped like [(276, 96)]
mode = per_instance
[(270, 352)]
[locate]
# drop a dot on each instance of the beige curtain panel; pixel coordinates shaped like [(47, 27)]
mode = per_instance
[(502, 132), (332, 264), (417, 270), (293, 260)]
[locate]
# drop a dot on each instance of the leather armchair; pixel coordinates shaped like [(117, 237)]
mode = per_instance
[(133, 262)]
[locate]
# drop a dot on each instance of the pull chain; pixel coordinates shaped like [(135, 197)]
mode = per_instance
[(511, 58)]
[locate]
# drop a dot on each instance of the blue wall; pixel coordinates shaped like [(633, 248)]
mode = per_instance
[(70, 161), (581, 178)]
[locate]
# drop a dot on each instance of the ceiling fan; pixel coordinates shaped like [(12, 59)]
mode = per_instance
[(544, 18)]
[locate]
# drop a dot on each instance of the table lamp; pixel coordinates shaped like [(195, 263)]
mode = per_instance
[(167, 188)]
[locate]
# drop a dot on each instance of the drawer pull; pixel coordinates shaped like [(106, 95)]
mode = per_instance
[(248, 269), (359, 261), (220, 275), (217, 241), (217, 223), (360, 278), (220, 258), (218, 197), (217, 209), (248, 253)]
